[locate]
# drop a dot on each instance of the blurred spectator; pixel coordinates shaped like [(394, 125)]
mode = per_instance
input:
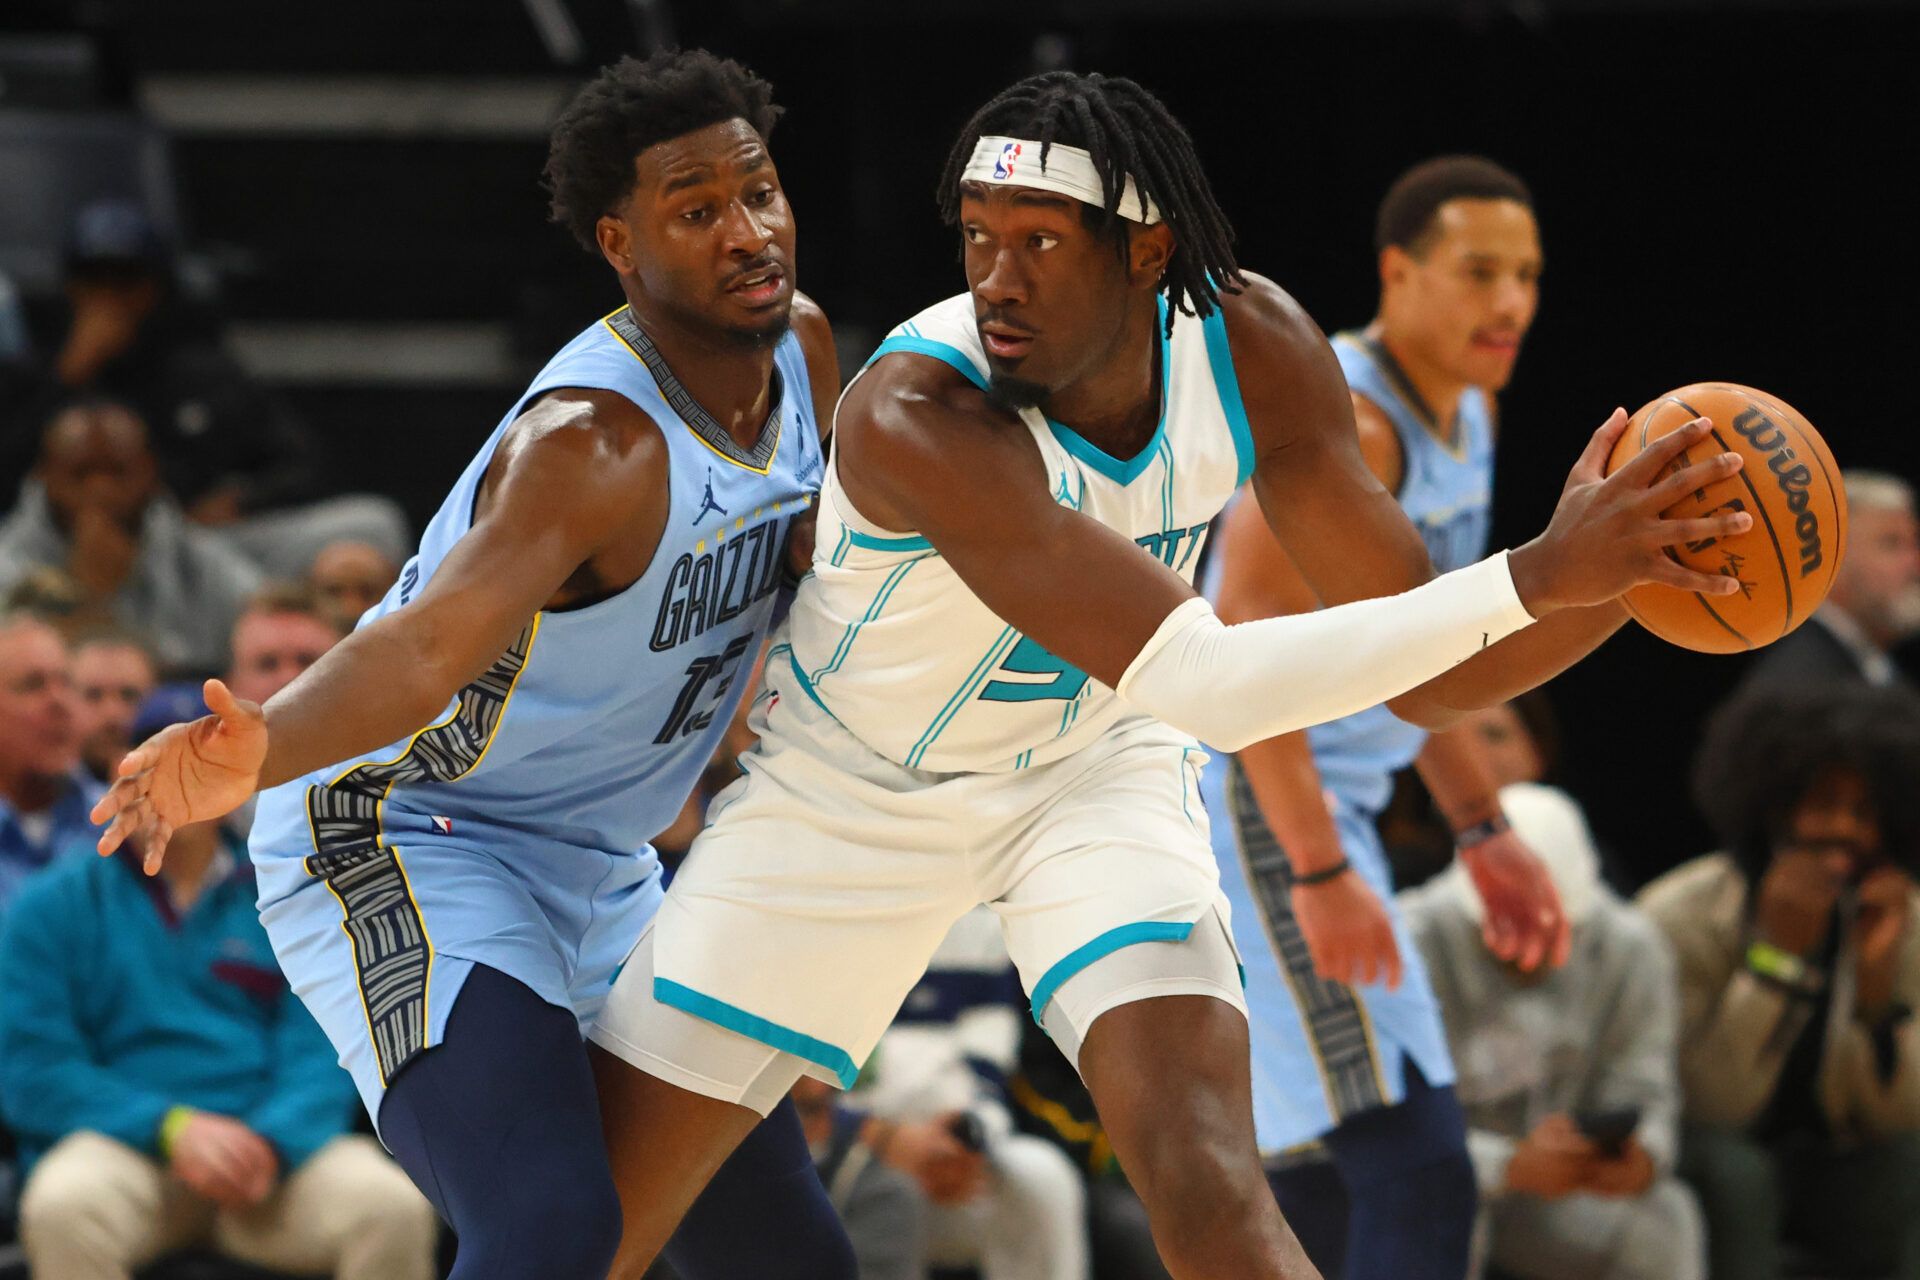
[(1003, 1201), (1537, 1053), (884, 1212), (1521, 740), (1875, 601), (112, 674), (282, 631), (351, 577), (168, 1091), (1799, 974), (94, 509), (43, 796), (229, 452), (54, 595)]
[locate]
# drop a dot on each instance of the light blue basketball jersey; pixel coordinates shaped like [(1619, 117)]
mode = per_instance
[(592, 727), (1447, 491), (513, 830)]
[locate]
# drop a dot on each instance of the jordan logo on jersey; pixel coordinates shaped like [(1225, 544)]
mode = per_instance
[(707, 503)]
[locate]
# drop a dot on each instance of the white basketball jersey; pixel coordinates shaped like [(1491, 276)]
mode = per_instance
[(889, 640)]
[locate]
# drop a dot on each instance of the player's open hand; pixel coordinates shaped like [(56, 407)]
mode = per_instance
[(1523, 924), (1609, 533), (186, 773), (1348, 932)]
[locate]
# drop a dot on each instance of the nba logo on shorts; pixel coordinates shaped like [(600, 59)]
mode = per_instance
[(1003, 167)]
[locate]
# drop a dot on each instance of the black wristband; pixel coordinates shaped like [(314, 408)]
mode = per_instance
[(1481, 832), (1322, 876)]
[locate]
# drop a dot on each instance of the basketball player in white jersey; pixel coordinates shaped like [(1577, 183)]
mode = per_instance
[(991, 684)]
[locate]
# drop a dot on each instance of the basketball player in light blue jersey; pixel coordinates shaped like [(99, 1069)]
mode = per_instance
[(452, 835), (1348, 1046), (991, 683)]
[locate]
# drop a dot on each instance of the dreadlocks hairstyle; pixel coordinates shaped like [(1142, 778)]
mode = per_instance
[(1764, 750), (627, 108), (1405, 219), (1127, 131)]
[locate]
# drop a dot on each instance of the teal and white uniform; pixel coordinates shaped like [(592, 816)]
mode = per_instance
[(920, 756), (1323, 1051), (513, 830)]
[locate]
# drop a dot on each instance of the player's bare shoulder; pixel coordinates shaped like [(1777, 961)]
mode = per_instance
[(1289, 377), (588, 445), (913, 432)]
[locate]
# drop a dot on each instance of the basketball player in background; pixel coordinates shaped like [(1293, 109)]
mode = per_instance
[(452, 844), (989, 687), (1348, 1047)]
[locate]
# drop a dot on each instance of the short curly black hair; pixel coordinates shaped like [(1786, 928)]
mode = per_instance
[(1766, 747), (627, 108), (1406, 214)]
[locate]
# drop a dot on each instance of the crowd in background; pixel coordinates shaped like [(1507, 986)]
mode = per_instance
[(1723, 1078)]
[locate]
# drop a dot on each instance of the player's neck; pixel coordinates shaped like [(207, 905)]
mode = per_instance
[(1117, 406), (730, 379), (1435, 394)]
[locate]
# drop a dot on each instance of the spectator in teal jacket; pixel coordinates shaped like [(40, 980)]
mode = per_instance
[(168, 1090)]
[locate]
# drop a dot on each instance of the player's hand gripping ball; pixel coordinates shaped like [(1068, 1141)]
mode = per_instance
[(1790, 484)]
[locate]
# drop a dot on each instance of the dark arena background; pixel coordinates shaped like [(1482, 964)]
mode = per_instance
[(355, 185)]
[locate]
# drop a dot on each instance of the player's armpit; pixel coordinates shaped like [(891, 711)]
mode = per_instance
[(577, 468)]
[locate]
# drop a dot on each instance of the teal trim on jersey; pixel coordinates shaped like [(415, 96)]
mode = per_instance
[(944, 352), (1101, 947), (840, 548), (806, 685), (754, 1027), (1227, 384), (1092, 455), (880, 597), (873, 542), (1166, 485), (1184, 753), (964, 694), (1099, 459)]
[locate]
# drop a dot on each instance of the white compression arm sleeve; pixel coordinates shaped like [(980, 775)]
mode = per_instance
[(1234, 686)]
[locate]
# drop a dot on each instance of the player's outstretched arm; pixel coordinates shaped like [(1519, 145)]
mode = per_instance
[(1342, 530), (921, 451), (576, 467)]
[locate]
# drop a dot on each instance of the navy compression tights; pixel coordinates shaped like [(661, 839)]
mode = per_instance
[(499, 1126), (1397, 1201)]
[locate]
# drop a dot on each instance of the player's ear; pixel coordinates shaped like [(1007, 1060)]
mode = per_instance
[(1148, 251), (1395, 264), (616, 243)]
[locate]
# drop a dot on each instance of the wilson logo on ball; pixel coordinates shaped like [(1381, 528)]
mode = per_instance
[(1792, 476)]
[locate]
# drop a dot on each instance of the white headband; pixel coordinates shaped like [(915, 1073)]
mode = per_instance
[(1015, 162)]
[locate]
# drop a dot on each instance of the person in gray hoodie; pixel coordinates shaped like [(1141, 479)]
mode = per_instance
[(94, 509), (1568, 1075)]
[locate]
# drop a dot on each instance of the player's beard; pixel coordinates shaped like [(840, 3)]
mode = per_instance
[(1014, 394), (764, 337)]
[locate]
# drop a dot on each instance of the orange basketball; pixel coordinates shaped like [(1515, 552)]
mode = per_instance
[(1790, 484)]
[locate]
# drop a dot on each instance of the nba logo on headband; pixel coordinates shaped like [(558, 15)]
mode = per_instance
[(1064, 170)]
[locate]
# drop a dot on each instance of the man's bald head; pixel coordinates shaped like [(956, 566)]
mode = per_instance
[(95, 453)]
